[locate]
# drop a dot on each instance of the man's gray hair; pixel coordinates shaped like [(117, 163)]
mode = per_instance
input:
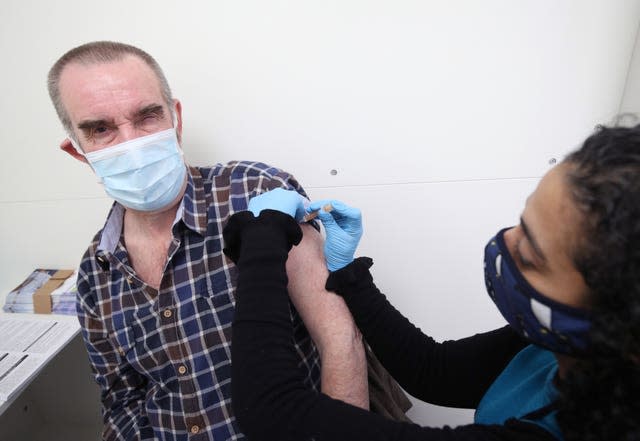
[(94, 53)]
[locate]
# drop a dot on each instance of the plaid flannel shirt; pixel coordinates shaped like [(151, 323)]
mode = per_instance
[(162, 357)]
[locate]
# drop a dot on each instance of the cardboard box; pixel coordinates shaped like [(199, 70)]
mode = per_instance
[(42, 297)]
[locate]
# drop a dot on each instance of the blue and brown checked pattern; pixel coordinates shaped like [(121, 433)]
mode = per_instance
[(162, 357)]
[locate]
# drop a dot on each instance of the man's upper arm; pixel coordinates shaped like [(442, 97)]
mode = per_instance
[(282, 179), (326, 316)]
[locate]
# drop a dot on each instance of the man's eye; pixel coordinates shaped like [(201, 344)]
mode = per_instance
[(149, 119), (98, 131), (98, 134)]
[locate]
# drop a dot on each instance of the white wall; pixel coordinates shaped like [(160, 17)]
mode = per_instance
[(630, 106), (438, 116)]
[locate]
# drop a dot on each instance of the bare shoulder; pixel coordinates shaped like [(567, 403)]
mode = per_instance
[(308, 254)]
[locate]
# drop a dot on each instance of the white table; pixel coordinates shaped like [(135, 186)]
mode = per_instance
[(60, 401)]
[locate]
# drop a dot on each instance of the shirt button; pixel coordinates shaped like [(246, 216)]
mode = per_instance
[(195, 429), (167, 313), (121, 351), (183, 370)]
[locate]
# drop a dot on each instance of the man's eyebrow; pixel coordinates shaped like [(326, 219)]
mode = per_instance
[(532, 240), (151, 109), (91, 124)]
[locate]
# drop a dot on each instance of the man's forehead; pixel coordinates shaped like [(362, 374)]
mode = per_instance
[(128, 67), (105, 86)]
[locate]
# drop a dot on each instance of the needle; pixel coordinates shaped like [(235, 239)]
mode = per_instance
[(314, 214)]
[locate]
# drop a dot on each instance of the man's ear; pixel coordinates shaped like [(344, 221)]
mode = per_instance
[(178, 109), (70, 149)]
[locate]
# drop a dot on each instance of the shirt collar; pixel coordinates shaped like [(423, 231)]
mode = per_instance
[(192, 211), (194, 204), (112, 229)]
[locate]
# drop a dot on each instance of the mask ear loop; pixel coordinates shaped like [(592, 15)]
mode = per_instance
[(75, 144), (174, 119), (81, 152)]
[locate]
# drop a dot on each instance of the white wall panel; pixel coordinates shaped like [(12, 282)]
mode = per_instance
[(46, 234), (408, 91), (630, 106)]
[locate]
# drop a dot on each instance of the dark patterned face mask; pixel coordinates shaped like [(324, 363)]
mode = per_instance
[(545, 322)]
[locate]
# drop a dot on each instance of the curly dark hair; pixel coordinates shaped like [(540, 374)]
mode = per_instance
[(600, 397)]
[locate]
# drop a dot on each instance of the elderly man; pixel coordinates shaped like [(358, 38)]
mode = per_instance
[(155, 292)]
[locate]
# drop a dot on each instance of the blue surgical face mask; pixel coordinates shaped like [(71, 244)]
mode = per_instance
[(145, 173), (545, 322)]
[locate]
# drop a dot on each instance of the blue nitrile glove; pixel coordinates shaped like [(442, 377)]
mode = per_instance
[(343, 225), (287, 201)]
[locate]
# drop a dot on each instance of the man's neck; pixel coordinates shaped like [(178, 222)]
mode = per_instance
[(155, 223), (147, 238), (150, 224)]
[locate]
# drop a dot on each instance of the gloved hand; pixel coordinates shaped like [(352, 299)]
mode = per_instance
[(343, 226), (287, 201)]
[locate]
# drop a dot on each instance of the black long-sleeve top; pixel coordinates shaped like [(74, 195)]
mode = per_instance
[(270, 400)]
